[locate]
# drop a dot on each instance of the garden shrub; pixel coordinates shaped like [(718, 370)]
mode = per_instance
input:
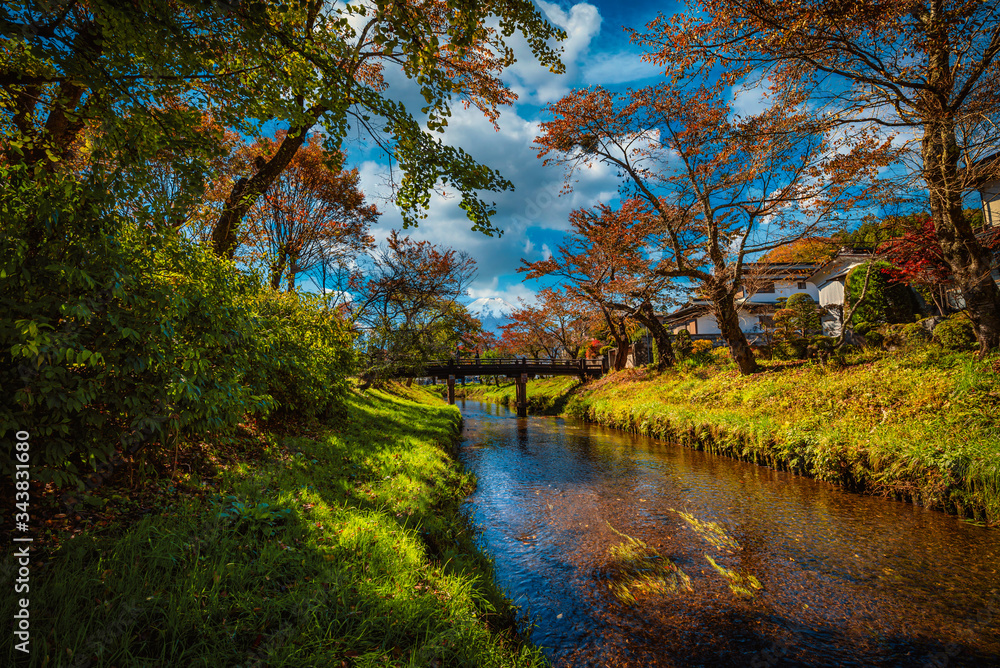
[(874, 338), (955, 333), (820, 346), (914, 334), (885, 302), (804, 317), (114, 337), (306, 353), (682, 344), (701, 351)]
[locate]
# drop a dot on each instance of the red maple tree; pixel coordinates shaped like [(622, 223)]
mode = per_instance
[(918, 260)]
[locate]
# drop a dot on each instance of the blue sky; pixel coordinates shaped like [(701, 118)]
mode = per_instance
[(534, 216)]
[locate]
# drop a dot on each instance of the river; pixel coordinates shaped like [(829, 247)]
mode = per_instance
[(628, 551)]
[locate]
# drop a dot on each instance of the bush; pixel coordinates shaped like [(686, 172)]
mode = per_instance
[(885, 302), (114, 337), (874, 338), (682, 344), (914, 335), (804, 316), (820, 346), (720, 355), (955, 333), (791, 348), (701, 351), (306, 353)]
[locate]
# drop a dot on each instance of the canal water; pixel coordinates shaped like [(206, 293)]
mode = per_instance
[(624, 550)]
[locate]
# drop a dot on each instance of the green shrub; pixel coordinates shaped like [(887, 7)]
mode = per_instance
[(956, 333), (682, 344), (790, 347), (804, 316), (114, 337), (885, 302), (701, 351), (914, 334), (874, 338), (305, 353)]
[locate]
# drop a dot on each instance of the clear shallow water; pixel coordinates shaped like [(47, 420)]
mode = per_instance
[(845, 580)]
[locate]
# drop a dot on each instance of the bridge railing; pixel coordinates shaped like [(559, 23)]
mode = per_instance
[(589, 363)]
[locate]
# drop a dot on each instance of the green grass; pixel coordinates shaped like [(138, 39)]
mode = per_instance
[(919, 425), (545, 396), (346, 548)]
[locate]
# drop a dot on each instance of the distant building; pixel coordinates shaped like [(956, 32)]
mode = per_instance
[(756, 302), (829, 279), (989, 193)]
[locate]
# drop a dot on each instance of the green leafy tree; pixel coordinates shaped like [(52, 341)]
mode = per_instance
[(884, 301), (805, 318), (120, 70)]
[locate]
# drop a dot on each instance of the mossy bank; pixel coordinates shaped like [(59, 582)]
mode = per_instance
[(921, 426), (341, 547)]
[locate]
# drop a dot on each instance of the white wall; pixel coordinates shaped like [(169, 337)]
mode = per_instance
[(991, 203), (783, 289), (831, 293), (707, 325)]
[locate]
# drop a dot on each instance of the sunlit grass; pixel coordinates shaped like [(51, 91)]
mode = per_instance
[(344, 549), (922, 425), (545, 396)]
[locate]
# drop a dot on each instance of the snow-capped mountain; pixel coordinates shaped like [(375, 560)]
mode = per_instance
[(491, 311)]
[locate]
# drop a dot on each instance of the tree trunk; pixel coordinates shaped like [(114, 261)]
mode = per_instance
[(729, 324), (246, 192), (647, 316), (278, 268), (970, 263), (620, 337)]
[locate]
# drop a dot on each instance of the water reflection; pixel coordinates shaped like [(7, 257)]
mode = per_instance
[(631, 552)]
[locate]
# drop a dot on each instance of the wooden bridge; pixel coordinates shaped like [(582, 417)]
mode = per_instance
[(517, 368)]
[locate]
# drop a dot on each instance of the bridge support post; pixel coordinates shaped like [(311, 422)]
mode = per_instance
[(451, 390), (522, 395)]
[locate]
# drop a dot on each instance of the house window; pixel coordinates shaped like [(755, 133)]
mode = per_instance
[(801, 285), (766, 288)]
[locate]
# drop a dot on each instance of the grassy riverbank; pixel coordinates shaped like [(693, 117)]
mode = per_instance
[(922, 426), (340, 546), (548, 395)]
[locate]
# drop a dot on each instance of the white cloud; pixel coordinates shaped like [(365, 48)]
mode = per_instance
[(748, 99), (615, 68), (535, 202), (535, 84), (510, 293)]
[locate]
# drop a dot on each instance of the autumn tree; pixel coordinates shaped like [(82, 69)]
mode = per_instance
[(926, 69), (525, 332), (917, 260), (719, 187), (406, 306), (566, 320), (314, 212), (606, 262), (68, 65), (807, 249), (558, 323)]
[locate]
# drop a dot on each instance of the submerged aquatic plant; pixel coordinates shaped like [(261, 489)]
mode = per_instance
[(741, 585), (710, 531), (638, 569)]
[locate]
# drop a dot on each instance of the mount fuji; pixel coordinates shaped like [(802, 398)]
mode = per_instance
[(491, 311)]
